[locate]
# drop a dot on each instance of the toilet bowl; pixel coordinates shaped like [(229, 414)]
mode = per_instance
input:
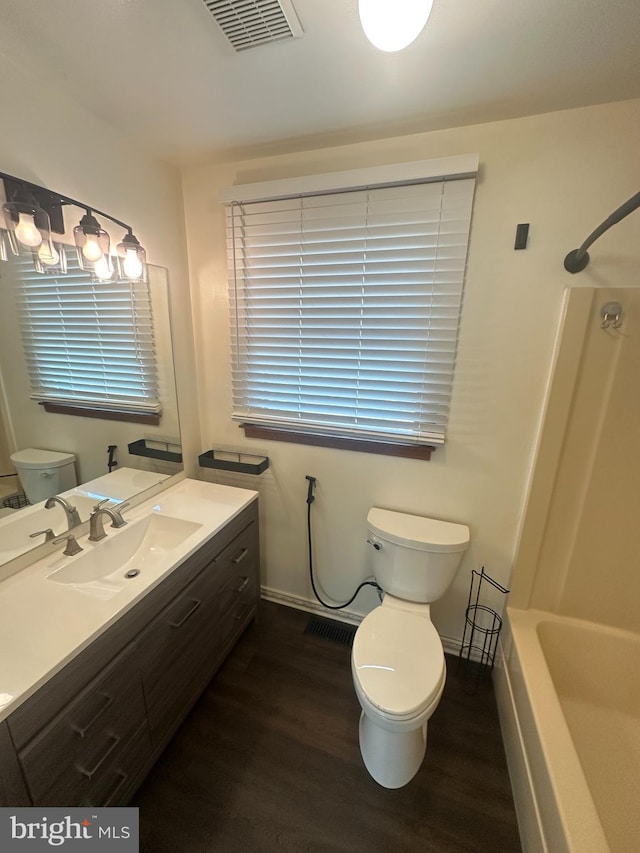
[(397, 659), (398, 690)]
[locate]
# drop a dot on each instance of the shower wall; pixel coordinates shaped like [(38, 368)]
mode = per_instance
[(580, 545)]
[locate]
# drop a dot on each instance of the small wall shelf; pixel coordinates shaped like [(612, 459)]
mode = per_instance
[(155, 450), (228, 460)]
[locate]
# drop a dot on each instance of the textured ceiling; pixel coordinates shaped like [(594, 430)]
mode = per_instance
[(162, 71)]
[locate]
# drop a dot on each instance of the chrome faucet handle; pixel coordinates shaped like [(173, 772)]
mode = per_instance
[(118, 520), (101, 503), (71, 512), (71, 547), (48, 534), (96, 525)]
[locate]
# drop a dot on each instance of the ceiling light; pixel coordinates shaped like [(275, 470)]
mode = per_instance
[(392, 25)]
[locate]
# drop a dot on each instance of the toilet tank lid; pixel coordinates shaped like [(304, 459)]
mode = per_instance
[(32, 457), (418, 532)]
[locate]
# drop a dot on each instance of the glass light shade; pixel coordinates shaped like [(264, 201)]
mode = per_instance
[(132, 259), (50, 261), (27, 226), (92, 242), (26, 231), (103, 269), (392, 25), (48, 253)]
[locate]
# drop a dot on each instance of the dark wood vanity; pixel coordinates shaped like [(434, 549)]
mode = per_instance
[(91, 733)]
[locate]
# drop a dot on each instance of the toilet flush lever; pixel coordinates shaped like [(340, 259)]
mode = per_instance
[(375, 545)]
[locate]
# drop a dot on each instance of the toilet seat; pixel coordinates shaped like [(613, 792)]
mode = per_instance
[(398, 662)]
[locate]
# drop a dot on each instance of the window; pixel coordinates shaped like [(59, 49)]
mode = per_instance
[(89, 346), (346, 305)]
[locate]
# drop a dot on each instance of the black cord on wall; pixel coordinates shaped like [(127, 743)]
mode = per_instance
[(310, 500)]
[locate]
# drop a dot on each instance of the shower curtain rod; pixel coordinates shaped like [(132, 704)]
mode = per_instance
[(578, 259)]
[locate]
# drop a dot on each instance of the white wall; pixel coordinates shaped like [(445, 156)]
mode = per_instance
[(562, 172), (53, 142)]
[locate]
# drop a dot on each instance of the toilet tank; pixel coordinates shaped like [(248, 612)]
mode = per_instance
[(413, 557), (44, 473)]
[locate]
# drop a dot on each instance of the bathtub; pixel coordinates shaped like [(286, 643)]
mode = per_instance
[(568, 695)]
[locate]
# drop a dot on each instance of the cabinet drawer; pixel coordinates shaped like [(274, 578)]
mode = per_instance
[(238, 567), (189, 620), (237, 598), (121, 775), (176, 653), (80, 740)]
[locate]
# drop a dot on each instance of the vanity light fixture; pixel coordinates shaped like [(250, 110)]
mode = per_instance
[(32, 213), (132, 259), (27, 225), (92, 241), (392, 25)]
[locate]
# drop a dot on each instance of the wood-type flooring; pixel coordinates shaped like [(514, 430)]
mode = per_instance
[(268, 762)]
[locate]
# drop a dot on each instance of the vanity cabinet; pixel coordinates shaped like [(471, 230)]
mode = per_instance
[(90, 734), (185, 644), (73, 755), (12, 788)]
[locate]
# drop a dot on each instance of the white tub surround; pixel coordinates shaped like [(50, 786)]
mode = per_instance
[(52, 610)]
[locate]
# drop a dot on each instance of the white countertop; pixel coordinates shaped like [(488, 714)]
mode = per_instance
[(45, 624)]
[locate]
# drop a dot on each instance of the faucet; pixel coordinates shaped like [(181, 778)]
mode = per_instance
[(73, 516), (72, 548), (96, 524), (48, 534)]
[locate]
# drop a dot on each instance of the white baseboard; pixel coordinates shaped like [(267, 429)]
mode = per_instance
[(451, 645), (305, 604)]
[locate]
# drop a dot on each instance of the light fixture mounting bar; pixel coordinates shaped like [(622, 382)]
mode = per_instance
[(18, 189)]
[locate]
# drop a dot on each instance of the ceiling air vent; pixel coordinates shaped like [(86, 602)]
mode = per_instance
[(250, 23)]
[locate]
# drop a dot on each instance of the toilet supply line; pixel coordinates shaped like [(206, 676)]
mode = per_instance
[(310, 499)]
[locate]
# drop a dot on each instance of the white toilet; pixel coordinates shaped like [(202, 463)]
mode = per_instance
[(397, 659), (44, 473)]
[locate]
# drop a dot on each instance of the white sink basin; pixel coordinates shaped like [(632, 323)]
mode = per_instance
[(135, 550)]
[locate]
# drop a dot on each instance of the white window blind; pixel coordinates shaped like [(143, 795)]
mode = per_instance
[(345, 309), (87, 343)]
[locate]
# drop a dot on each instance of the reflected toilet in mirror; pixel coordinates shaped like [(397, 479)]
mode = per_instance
[(44, 473)]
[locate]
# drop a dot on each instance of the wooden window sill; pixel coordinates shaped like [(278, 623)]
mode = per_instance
[(410, 451), (150, 418)]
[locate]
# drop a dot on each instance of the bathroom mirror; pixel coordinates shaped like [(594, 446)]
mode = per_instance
[(145, 453)]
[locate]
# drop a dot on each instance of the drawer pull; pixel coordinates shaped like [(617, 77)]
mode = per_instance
[(243, 585), (115, 740), (189, 613), (82, 730), (242, 616), (240, 556), (121, 778)]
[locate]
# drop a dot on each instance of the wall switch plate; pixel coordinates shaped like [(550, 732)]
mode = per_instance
[(522, 234)]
